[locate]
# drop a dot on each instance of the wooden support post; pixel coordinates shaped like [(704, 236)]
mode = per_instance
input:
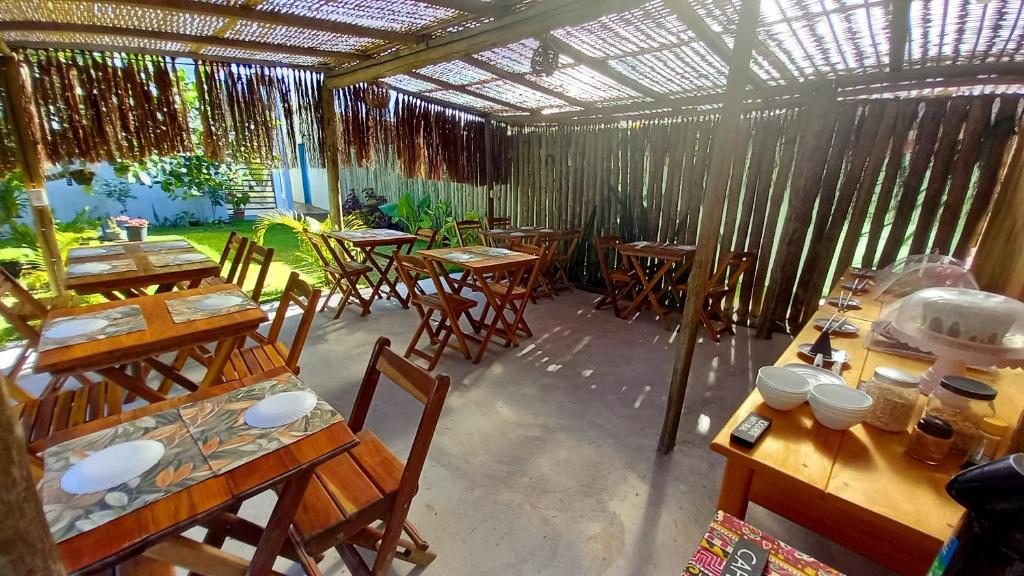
[(32, 170), (711, 217), (489, 167), (900, 29), (26, 546), (332, 154)]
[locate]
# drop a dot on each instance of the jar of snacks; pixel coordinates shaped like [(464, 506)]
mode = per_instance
[(963, 403), (895, 395), (931, 439)]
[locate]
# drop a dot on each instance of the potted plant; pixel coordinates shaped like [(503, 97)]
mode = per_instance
[(12, 206), (239, 200), (137, 229), (113, 231)]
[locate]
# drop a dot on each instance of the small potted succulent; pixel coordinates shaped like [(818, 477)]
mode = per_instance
[(137, 228), (238, 201), (113, 231)]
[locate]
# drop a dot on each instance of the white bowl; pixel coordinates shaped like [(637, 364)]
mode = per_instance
[(838, 407), (782, 389)]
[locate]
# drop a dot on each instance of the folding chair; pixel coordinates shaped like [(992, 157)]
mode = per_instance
[(617, 281), (718, 292), (499, 222), (469, 232), (270, 351), (544, 287), (560, 258), (342, 275), (231, 257), (520, 291), (262, 258), (450, 308), (350, 494), (428, 234)]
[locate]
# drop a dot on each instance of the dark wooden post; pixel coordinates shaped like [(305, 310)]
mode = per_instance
[(489, 167), (711, 216), (331, 154), (32, 170)]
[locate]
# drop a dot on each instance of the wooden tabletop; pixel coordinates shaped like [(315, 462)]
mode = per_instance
[(521, 231), (161, 335), (375, 240), (484, 264), (895, 509), (662, 250), (128, 535), (144, 275)]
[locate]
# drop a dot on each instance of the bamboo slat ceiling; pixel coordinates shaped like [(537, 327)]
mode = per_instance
[(648, 56)]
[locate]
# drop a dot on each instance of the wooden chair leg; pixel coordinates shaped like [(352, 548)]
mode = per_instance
[(350, 556), (424, 320), (180, 359)]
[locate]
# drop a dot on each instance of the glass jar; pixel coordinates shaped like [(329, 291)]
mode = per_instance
[(963, 403), (894, 394), (931, 439), (992, 431)]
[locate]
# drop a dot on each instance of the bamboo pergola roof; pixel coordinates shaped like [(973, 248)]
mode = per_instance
[(617, 58)]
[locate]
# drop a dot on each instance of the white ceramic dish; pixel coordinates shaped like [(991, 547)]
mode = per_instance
[(74, 327), (781, 389), (816, 375), (280, 409), (219, 301), (846, 328), (88, 268), (838, 407), (112, 466)]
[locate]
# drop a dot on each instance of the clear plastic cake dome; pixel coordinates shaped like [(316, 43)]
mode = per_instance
[(980, 327), (915, 273)]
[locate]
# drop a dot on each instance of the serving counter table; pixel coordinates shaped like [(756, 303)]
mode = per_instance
[(857, 488)]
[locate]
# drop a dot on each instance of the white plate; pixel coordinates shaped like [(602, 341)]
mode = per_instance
[(112, 466), (219, 301), (83, 252), (88, 268), (815, 375), (280, 409), (837, 354), (74, 327), (187, 258)]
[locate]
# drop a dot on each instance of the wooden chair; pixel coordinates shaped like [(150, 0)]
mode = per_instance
[(428, 234), (469, 232), (719, 291), (520, 291), (44, 416), (261, 257), (560, 259), (342, 274), (499, 222), (449, 307), (544, 286), (349, 495), (269, 351), (617, 281)]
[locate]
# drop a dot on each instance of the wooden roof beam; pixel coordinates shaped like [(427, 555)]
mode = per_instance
[(711, 39), (605, 69), (442, 103), (267, 17), (537, 18), (898, 33), (32, 26), (462, 90), (525, 82)]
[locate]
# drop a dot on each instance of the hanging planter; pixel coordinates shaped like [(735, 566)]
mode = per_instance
[(82, 176)]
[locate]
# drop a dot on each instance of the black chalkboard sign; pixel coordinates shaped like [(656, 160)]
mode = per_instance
[(748, 558)]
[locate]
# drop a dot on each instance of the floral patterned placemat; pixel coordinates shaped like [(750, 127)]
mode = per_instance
[(97, 268), (466, 256), (492, 252), (88, 251), (178, 258), (120, 320), (192, 307), (167, 245), (181, 466), (218, 424)]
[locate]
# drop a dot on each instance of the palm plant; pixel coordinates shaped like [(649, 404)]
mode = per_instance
[(300, 224)]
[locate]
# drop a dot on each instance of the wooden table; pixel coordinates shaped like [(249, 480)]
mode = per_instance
[(367, 242), (158, 524), (132, 282), (119, 357), (655, 277), (513, 269), (505, 236), (857, 488)]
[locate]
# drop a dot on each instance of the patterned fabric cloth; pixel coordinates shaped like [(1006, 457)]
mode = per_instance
[(90, 251), (208, 305), (98, 268), (110, 323), (178, 258), (166, 245), (725, 531)]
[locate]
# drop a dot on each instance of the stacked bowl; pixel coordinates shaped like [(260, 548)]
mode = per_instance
[(782, 389), (838, 407)]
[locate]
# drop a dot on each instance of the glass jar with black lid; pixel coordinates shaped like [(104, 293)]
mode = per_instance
[(963, 403)]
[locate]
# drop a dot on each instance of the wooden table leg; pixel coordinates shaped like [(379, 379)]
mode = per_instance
[(132, 385), (385, 277), (734, 495), (288, 500), (215, 368)]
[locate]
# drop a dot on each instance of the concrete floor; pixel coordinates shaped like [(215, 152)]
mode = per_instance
[(545, 459)]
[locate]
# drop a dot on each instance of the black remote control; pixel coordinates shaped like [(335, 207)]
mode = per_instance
[(750, 430)]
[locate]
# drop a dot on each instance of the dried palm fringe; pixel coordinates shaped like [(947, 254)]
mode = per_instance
[(425, 140), (8, 152)]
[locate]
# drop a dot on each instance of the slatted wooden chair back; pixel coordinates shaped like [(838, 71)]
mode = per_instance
[(300, 294), (469, 232), (413, 269), (316, 243), (260, 257), (428, 234), (738, 263), (231, 257), (24, 308), (499, 222), (561, 258), (534, 275)]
